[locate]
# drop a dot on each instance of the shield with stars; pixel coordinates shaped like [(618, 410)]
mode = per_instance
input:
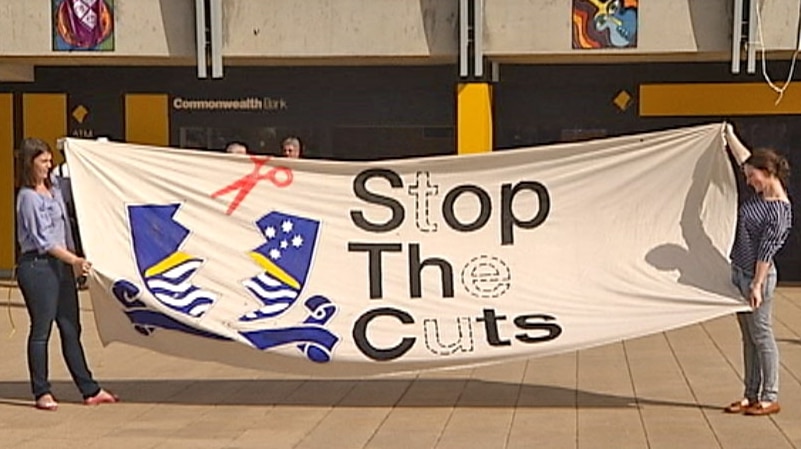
[(286, 258)]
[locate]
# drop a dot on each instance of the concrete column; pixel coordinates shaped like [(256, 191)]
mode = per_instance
[(474, 92)]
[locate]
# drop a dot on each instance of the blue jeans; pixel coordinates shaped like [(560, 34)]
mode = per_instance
[(760, 352), (48, 287)]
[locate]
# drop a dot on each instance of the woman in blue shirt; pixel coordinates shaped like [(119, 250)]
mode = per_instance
[(763, 224), (46, 276)]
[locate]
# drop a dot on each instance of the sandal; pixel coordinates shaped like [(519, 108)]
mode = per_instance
[(102, 397), (46, 402)]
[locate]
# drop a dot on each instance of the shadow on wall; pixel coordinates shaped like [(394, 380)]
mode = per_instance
[(440, 22), (712, 24), (178, 19)]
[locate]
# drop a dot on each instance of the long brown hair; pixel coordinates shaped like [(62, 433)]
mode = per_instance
[(771, 162), (29, 150)]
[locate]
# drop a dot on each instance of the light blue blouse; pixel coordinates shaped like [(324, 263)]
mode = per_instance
[(42, 221)]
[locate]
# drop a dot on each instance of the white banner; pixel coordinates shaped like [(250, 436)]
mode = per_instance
[(334, 268)]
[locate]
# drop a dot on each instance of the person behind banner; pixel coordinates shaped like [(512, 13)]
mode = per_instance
[(763, 224), (46, 275), (291, 147), (236, 148), (62, 173)]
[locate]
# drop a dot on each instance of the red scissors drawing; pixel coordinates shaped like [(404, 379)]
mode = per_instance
[(280, 177)]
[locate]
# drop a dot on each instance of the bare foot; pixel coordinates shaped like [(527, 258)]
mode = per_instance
[(102, 397), (47, 402)]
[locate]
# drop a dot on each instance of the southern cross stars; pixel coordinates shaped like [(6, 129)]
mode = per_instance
[(297, 241), (271, 232)]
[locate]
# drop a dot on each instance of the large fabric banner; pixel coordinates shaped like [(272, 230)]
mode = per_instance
[(346, 269)]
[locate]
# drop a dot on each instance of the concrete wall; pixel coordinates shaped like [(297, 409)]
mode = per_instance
[(532, 30), (145, 29), (340, 28), (520, 28), (514, 29), (381, 31), (780, 20)]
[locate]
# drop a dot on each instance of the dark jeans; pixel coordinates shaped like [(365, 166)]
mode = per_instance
[(48, 286)]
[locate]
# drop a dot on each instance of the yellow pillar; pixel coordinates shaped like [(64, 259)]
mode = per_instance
[(147, 119), (44, 116), (474, 118), (7, 213)]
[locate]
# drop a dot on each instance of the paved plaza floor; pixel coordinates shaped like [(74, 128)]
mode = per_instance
[(660, 391)]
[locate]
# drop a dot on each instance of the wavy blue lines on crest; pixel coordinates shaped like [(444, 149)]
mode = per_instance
[(286, 258), (165, 270)]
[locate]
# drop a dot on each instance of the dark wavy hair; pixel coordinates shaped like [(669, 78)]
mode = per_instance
[(771, 162), (29, 150)]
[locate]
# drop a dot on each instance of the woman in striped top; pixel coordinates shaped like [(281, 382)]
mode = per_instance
[(763, 224)]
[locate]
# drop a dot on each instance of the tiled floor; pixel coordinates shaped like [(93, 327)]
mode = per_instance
[(661, 391)]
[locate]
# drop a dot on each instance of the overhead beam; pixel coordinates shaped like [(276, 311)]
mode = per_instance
[(216, 25), (200, 39), (736, 36), (16, 73), (753, 30), (478, 38), (464, 38)]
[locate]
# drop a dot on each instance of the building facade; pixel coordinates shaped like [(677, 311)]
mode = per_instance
[(365, 80)]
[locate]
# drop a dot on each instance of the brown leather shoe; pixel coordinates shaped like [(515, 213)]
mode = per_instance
[(738, 407), (763, 408)]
